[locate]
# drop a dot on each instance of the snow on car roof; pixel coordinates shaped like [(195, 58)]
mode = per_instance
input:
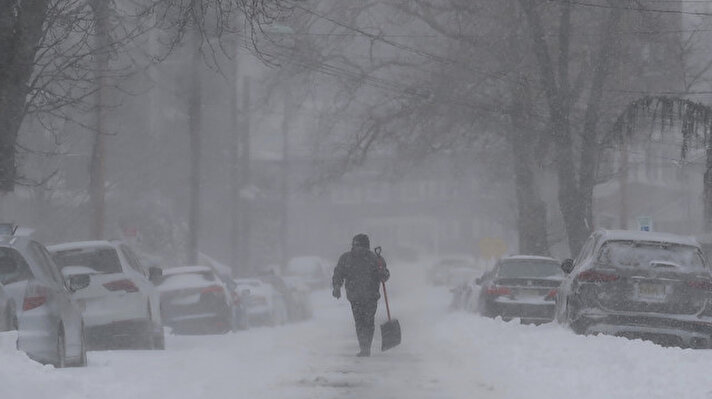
[(80, 244), (631, 235), (529, 257), (186, 269)]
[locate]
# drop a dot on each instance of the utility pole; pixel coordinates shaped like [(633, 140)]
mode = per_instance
[(97, 164), (245, 181), (194, 125)]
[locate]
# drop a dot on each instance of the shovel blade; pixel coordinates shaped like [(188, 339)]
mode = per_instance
[(390, 334)]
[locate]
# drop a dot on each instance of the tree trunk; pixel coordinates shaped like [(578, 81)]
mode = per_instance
[(97, 166), (245, 182), (531, 210), (20, 32), (284, 189), (575, 196), (194, 115), (589, 148), (234, 175), (708, 190)]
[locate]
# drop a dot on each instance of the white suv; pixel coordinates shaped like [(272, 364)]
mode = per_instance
[(121, 305)]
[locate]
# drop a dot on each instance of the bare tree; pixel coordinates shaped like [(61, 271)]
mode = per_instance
[(48, 47)]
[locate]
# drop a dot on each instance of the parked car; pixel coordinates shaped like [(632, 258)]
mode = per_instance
[(297, 296), (312, 271), (195, 301), (49, 323), (121, 307), (645, 285), (263, 304), (521, 287), (452, 271)]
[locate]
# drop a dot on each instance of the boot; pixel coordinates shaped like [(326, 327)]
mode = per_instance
[(364, 353)]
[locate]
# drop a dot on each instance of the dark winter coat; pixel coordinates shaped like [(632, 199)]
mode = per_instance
[(360, 269)]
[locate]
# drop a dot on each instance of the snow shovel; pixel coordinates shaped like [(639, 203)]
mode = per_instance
[(390, 330)]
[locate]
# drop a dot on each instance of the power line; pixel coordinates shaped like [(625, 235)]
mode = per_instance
[(641, 9)]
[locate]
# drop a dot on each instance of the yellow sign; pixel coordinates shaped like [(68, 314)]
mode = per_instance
[(492, 247)]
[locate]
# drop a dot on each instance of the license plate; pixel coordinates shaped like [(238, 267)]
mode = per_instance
[(529, 292), (652, 291)]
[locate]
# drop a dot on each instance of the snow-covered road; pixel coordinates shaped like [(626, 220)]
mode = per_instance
[(443, 355)]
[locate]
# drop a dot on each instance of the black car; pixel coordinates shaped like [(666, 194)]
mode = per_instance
[(642, 285), (195, 301), (521, 287)]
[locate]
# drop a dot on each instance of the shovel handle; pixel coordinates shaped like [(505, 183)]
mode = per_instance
[(385, 297), (377, 250)]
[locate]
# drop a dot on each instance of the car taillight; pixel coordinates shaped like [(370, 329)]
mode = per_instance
[(235, 298), (551, 295), (213, 289), (34, 298), (498, 291), (121, 285), (593, 276), (700, 284)]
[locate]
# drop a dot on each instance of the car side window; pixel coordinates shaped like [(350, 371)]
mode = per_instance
[(13, 266)]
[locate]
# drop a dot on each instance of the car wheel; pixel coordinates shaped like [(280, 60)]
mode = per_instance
[(61, 349), (571, 312), (10, 319), (145, 338), (82, 362), (159, 341)]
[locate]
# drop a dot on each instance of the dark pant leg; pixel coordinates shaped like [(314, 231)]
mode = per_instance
[(364, 313)]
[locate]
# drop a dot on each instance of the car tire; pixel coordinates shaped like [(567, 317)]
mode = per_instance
[(61, 349), (570, 313), (10, 319), (82, 362), (159, 341), (145, 338)]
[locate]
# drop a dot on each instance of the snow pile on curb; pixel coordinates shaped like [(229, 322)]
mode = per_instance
[(516, 361)]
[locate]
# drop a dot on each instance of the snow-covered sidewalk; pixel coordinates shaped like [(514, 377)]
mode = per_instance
[(443, 355)]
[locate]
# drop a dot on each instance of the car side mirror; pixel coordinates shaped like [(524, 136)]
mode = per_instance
[(478, 281), (155, 273), (78, 282), (245, 292), (567, 265)]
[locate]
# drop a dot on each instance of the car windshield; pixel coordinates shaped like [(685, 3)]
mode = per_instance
[(103, 260), (13, 267), (529, 268), (636, 254)]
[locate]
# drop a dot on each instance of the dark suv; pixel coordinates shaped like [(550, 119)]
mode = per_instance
[(521, 287), (643, 285)]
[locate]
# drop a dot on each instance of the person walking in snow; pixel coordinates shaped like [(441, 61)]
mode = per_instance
[(362, 271)]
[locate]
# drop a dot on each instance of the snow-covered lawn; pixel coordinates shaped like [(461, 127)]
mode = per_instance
[(443, 355)]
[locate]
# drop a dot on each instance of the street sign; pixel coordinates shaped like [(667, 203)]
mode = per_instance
[(492, 248), (645, 223)]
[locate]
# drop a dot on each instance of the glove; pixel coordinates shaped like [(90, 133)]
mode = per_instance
[(336, 293)]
